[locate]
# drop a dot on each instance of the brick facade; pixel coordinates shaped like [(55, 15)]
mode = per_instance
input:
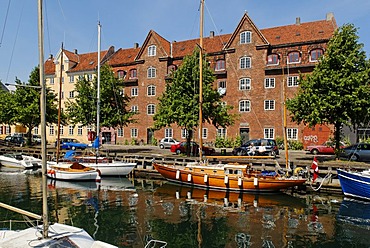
[(247, 44)]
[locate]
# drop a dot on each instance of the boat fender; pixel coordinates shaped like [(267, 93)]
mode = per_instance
[(189, 195), (177, 194), (240, 181), (226, 202), (226, 179), (99, 172), (255, 181), (205, 178), (178, 174), (51, 172), (189, 177), (297, 170)]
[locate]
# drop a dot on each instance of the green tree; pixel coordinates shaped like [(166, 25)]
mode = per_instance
[(179, 103), (113, 103), (23, 105), (337, 92)]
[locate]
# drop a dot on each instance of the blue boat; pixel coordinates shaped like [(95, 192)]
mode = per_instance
[(355, 184)]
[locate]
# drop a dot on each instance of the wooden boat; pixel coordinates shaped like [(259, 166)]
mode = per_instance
[(106, 166), (72, 171), (19, 161), (233, 177), (355, 184)]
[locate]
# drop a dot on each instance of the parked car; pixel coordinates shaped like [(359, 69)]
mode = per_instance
[(271, 148), (69, 143), (36, 139), (15, 141), (181, 148), (327, 147), (167, 143), (356, 152)]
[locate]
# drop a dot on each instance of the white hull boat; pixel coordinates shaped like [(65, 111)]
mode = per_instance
[(113, 168), (19, 161), (59, 236), (72, 172)]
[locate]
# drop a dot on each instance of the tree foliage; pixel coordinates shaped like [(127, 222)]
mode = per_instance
[(22, 106), (180, 102), (113, 104), (337, 92)]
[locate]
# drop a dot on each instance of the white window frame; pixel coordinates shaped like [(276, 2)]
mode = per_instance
[(36, 130), (245, 84), (269, 133), (70, 130), (71, 79), (7, 130), (134, 132), (61, 130), (79, 130), (292, 133), (51, 130), (134, 91), (272, 56), (245, 62), (168, 132), (151, 90), (134, 108), (269, 83), (221, 132), (150, 109), (292, 81), (316, 50), (152, 50), (294, 62), (269, 105), (244, 106), (151, 72), (120, 132), (184, 133), (246, 37), (51, 82), (71, 94)]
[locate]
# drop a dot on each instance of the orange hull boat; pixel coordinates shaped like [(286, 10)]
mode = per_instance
[(227, 177)]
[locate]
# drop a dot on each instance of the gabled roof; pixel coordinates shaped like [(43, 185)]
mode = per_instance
[(86, 61), (123, 56), (303, 32), (49, 66), (210, 45), (247, 19), (163, 44)]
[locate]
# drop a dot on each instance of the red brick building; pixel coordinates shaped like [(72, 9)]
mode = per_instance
[(253, 68)]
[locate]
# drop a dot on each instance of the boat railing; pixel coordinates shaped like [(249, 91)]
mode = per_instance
[(10, 223), (156, 243)]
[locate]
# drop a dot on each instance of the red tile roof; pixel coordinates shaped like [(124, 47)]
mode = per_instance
[(123, 56)]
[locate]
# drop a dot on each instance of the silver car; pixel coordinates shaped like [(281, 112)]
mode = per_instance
[(357, 152), (167, 143)]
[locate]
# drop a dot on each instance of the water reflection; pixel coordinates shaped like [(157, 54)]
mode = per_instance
[(129, 213)]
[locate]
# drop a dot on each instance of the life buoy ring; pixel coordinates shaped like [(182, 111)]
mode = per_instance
[(297, 170), (51, 172)]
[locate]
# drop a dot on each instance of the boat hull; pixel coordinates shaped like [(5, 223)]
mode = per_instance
[(112, 168), (63, 172), (355, 184), (231, 182), (26, 162)]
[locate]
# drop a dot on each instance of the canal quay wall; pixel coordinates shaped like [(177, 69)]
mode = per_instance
[(145, 155)]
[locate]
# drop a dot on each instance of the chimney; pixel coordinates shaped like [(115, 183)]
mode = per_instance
[(51, 56), (75, 51), (297, 21), (212, 34), (136, 45), (329, 16)]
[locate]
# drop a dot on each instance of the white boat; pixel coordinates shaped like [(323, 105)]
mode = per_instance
[(45, 235), (19, 161), (106, 166), (72, 171)]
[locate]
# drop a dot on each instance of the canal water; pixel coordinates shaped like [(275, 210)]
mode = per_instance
[(128, 213)]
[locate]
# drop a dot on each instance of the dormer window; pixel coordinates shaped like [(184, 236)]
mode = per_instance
[(133, 73), (273, 59), (152, 50), (220, 65), (315, 55), (121, 74), (294, 57), (245, 37)]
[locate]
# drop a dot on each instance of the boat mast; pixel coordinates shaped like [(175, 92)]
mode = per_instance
[(285, 120), (98, 95), (45, 216), (60, 103), (201, 79)]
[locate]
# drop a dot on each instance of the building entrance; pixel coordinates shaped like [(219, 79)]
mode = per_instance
[(244, 134)]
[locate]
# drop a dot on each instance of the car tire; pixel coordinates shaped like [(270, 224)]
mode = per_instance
[(178, 152), (241, 153), (315, 151), (354, 157), (161, 146), (272, 153)]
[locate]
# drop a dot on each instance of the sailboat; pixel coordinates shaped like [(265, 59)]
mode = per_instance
[(105, 166), (45, 235), (231, 177)]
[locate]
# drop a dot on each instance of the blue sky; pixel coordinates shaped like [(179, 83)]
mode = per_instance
[(124, 22)]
